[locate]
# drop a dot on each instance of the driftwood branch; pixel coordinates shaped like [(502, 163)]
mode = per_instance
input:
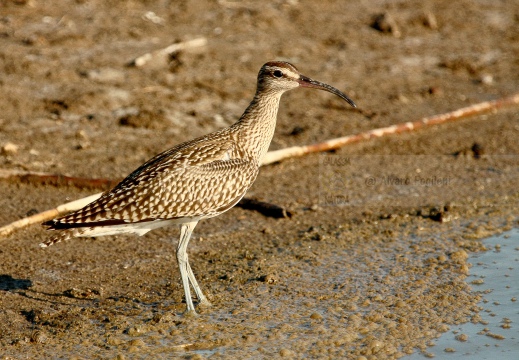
[(143, 59), (271, 157), (47, 215), (332, 144)]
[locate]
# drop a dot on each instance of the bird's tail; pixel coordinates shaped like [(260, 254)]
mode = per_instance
[(62, 235)]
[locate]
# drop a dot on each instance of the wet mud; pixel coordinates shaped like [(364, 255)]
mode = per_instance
[(371, 264)]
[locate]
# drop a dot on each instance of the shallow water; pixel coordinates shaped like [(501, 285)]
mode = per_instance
[(495, 274)]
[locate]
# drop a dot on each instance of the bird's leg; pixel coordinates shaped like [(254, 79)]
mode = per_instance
[(185, 269), (201, 298), (183, 264)]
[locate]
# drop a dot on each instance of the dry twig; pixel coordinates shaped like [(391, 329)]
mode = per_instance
[(143, 59), (47, 215)]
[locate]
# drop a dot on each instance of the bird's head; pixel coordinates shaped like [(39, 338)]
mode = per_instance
[(280, 76)]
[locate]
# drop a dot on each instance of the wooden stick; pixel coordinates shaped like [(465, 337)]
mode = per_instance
[(143, 59), (271, 157), (278, 155), (47, 215)]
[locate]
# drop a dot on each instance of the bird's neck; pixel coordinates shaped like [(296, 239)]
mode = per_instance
[(256, 126)]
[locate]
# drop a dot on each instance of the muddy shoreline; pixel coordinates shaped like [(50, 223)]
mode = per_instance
[(373, 262)]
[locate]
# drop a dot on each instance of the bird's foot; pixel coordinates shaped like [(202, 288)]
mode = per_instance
[(190, 314), (204, 303)]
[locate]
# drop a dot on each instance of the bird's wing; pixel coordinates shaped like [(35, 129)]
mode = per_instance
[(175, 184)]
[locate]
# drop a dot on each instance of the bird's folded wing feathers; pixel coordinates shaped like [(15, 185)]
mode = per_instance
[(173, 184)]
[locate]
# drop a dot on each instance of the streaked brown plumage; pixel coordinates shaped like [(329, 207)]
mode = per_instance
[(194, 180)]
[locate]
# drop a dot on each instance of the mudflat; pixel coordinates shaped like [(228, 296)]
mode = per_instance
[(372, 263)]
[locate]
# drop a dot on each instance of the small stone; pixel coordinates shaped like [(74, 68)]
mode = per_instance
[(137, 343), (316, 316), (477, 150), (82, 293), (460, 255), (136, 330), (464, 269), (462, 337), (81, 135), (439, 215), (266, 230), (399, 304), (429, 20), (434, 90), (386, 24), (269, 279), (375, 346), (38, 337), (286, 353), (495, 336), (487, 79), (9, 149), (114, 341)]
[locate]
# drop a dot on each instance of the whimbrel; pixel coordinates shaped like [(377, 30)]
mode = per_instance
[(192, 181)]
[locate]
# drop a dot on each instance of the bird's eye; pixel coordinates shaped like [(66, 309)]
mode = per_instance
[(277, 73)]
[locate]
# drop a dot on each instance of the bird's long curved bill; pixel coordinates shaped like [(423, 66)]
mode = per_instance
[(307, 82)]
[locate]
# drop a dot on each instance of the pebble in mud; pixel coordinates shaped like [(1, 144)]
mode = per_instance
[(113, 340), (286, 353), (9, 149), (137, 342), (138, 330), (39, 337), (82, 293), (462, 337), (495, 336), (385, 23), (316, 316), (459, 256), (268, 278)]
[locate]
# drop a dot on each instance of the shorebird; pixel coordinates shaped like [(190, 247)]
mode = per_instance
[(192, 181)]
